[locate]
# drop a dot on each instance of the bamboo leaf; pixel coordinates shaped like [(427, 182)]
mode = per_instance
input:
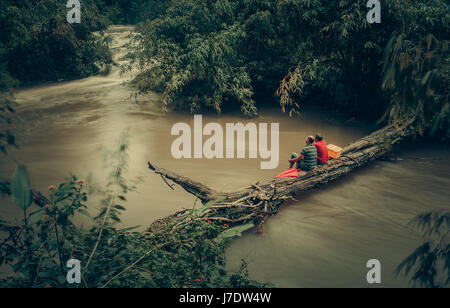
[(35, 217), (20, 188), (235, 231)]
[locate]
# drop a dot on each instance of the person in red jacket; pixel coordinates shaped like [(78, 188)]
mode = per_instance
[(322, 150)]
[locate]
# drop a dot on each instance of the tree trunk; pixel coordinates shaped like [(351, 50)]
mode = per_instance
[(258, 201)]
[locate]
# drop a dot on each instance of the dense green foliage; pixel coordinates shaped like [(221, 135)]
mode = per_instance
[(6, 109), (37, 43), (38, 248), (429, 264), (416, 79), (217, 53), (131, 11), (7, 103)]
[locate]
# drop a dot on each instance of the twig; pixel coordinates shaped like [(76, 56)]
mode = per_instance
[(100, 233), (59, 248), (274, 190), (84, 281), (37, 269), (232, 220), (164, 179), (139, 260)]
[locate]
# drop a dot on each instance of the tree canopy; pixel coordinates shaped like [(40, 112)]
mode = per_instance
[(37, 44), (219, 53)]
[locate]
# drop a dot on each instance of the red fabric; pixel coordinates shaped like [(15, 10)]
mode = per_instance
[(290, 173), (322, 151)]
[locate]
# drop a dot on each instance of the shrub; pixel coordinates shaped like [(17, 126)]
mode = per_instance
[(38, 248)]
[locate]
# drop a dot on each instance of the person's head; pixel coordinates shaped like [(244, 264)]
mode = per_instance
[(318, 137), (310, 140)]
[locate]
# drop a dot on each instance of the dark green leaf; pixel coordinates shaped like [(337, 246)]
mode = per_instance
[(20, 188)]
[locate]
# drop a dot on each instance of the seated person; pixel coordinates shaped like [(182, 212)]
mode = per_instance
[(322, 150), (307, 160)]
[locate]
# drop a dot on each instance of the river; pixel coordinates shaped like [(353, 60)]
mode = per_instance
[(323, 239)]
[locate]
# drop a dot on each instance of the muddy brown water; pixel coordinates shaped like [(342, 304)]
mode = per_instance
[(323, 239)]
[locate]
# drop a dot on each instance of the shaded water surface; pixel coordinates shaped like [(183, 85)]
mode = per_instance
[(323, 239)]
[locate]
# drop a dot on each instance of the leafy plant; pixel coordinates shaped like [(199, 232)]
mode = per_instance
[(416, 79), (20, 188), (38, 248), (429, 264)]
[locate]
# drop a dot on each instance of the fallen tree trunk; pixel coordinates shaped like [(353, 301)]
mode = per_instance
[(258, 201)]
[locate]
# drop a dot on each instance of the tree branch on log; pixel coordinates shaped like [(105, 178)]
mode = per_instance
[(40, 199), (258, 201), (203, 192)]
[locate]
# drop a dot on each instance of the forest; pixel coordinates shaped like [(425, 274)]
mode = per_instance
[(216, 56), (225, 54)]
